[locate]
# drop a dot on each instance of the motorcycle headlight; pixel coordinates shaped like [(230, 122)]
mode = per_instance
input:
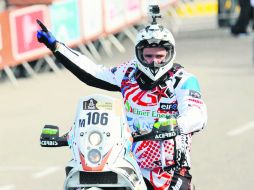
[(95, 138), (94, 156)]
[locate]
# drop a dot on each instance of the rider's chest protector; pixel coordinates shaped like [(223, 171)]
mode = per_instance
[(143, 109)]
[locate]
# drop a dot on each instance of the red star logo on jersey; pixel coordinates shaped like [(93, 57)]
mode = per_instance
[(160, 92)]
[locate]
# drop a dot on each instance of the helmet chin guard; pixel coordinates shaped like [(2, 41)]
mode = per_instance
[(154, 36)]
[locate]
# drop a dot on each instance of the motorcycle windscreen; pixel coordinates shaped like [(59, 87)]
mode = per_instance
[(99, 125)]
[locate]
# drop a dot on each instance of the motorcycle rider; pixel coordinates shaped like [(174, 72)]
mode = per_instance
[(154, 89)]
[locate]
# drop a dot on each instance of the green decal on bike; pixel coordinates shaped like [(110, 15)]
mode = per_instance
[(49, 131)]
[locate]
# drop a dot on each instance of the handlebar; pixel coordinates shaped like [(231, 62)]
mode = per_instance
[(160, 133)]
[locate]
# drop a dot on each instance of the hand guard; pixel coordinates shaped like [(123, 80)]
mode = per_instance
[(50, 137), (46, 37), (162, 130)]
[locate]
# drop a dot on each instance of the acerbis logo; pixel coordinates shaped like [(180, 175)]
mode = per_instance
[(49, 143), (165, 135)]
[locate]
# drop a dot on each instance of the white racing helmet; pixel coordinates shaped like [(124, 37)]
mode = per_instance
[(155, 35)]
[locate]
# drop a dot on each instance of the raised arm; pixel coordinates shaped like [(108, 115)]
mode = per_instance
[(83, 68)]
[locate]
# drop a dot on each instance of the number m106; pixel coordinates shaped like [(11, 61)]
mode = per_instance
[(96, 118)]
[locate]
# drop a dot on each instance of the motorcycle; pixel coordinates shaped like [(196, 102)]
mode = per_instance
[(100, 141)]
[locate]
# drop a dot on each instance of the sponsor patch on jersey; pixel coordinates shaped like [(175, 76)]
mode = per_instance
[(90, 104), (168, 106), (194, 94), (196, 101)]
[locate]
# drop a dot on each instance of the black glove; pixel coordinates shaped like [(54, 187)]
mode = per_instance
[(46, 37)]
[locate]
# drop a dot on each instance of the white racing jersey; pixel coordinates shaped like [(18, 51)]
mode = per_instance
[(178, 96)]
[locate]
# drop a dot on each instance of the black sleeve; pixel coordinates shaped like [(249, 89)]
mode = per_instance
[(83, 75)]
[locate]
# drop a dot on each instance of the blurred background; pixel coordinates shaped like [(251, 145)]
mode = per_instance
[(36, 90)]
